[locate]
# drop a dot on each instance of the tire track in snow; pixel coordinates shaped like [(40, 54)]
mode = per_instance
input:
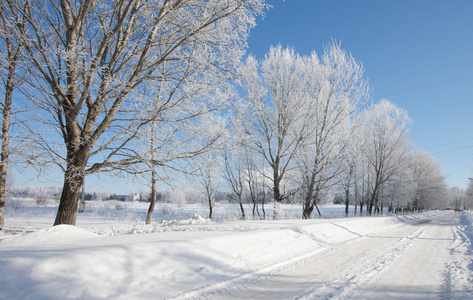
[(336, 264), (341, 270), (362, 271), (422, 272), (458, 274), (215, 290)]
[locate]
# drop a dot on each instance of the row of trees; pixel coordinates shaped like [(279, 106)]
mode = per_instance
[(305, 131), (462, 199), (154, 87)]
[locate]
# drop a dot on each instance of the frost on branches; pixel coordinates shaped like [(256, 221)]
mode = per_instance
[(299, 116), (95, 63)]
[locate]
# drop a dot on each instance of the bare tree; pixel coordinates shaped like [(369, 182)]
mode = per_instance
[(92, 62)]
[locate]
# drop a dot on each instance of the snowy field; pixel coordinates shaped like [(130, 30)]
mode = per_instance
[(182, 255)]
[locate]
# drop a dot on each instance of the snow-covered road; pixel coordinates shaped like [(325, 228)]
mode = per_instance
[(412, 261), (419, 256)]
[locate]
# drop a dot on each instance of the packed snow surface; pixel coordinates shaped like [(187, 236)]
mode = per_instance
[(419, 256)]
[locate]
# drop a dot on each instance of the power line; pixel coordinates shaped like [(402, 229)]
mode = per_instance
[(451, 150), (449, 143)]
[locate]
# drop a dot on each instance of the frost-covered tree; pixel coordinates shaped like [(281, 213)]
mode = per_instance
[(93, 61), (207, 174), (469, 195), (386, 148), (398, 191), (12, 24), (334, 90), (458, 198), (348, 177), (275, 125), (185, 121), (255, 178), (431, 189), (233, 173)]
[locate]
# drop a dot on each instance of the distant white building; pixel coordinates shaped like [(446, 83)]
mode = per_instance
[(134, 197)]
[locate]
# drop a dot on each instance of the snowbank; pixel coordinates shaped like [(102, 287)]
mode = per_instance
[(161, 260)]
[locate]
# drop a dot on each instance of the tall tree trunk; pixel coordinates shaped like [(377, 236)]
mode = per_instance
[(5, 146), (263, 200), (67, 210), (13, 58), (277, 211), (347, 201), (241, 208), (210, 207), (373, 201), (152, 204), (307, 210), (5, 152), (318, 210), (257, 207), (376, 208), (308, 207), (277, 198), (369, 206), (77, 151), (357, 200), (77, 157)]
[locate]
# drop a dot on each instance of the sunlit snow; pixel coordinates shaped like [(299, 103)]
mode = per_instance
[(111, 255)]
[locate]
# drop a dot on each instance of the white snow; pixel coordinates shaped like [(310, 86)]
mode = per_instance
[(111, 255)]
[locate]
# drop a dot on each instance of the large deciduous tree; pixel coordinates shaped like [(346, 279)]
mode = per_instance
[(386, 147), (351, 165), (335, 89), (184, 106), (275, 123), (299, 117), (431, 190), (93, 62)]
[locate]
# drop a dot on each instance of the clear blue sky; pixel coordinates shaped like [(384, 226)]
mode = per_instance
[(417, 54)]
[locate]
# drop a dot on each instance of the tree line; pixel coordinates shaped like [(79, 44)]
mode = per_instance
[(155, 87), (308, 130)]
